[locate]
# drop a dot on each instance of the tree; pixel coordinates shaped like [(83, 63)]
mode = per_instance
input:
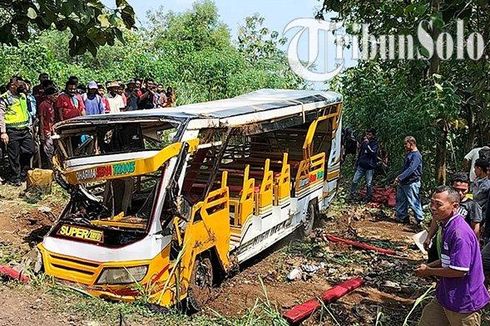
[(444, 102), (191, 51), (90, 23)]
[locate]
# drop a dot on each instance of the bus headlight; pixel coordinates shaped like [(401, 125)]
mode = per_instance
[(122, 275)]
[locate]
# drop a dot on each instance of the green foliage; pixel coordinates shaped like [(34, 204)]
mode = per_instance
[(443, 103), (190, 51), (91, 24), (380, 98)]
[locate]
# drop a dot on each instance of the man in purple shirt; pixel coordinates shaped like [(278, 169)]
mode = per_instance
[(460, 292)]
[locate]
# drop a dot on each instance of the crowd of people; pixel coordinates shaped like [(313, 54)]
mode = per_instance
[(28, 114), (458, 238)]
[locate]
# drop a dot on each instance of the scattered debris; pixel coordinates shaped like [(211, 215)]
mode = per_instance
[(11, 273), (45, 209), (392, 285), (361, 245), (311, 268), (295, 274), (300, 312), (419, 239), (382, 196)]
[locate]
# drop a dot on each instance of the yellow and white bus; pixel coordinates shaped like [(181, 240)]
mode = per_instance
[(163, 202)]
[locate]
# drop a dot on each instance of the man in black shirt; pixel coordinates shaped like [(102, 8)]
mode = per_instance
[(468, 208)]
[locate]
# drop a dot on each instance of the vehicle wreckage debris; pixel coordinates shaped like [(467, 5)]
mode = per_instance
[(361, 245), (302, 311), (304, 272), (11, 273)]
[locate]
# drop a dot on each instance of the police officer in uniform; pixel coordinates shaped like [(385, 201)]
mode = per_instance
[(14, 129)]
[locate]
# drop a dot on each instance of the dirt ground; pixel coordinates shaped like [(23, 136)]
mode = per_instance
[(386, 298)]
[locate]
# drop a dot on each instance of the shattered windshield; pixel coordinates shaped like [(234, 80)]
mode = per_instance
[(119, 208), (112, 206), (115, 138)]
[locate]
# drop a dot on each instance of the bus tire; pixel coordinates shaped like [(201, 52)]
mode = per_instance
[(201, 284), (310, 219)]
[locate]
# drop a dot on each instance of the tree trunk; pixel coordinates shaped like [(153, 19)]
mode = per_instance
[(441, 156)]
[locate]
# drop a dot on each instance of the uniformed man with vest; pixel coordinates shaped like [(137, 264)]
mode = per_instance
[(14, 129)]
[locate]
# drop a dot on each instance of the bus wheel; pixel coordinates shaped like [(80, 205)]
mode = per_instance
[(201, 284), (311, 215)]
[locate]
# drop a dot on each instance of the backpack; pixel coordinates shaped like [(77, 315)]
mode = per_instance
[(484, 154)]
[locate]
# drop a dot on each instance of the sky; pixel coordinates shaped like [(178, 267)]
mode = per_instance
[(277, 13)]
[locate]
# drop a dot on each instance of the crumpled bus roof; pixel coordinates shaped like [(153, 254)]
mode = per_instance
[(257, 106)]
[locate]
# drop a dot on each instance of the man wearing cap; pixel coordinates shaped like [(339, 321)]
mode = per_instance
[(116, 102), (14, 129), (92, 100), (46, 115)]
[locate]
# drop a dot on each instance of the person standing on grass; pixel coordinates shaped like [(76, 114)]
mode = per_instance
[(69, 104), (468, 208), (116, 102), (460, 291), (92, 100), (15, 131), (481, 192), (481, 185), (47, 118), (366, 164), (470, 159), (101, 92), (408, 184), (38, 90)]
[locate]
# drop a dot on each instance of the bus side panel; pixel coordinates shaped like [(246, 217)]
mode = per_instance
[(333, 168)]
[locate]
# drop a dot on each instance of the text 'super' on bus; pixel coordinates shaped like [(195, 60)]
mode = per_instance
[(168, 200)]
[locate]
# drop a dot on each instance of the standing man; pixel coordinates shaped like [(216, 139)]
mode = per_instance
[(460, 291), (121, 91), (14, 129), (47, 118), (92, 100), (69, 104), (481, 186), (481, 192), (132, 96), (104, 98), (408, 192), (470, 159), (116, 102), (469, 209), (147, 100), (38, 90), (366, 163)]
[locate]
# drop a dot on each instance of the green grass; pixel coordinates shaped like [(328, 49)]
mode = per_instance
[(9, 254)]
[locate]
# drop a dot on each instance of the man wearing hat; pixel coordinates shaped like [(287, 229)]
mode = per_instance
[(116, 102), (92, 100), (47, 118)]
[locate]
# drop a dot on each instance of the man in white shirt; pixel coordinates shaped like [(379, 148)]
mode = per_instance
[(116, 102), (472, 156)]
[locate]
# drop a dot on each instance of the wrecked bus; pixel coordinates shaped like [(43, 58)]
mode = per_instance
[(164, 202)]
